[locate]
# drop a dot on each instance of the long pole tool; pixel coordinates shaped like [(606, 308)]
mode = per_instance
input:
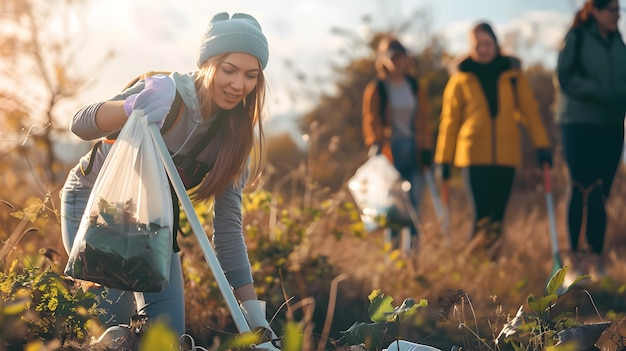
[(557, 263), (203, 240), (441, 206)]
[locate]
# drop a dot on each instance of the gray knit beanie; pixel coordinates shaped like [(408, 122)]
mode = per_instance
[(239, 33)]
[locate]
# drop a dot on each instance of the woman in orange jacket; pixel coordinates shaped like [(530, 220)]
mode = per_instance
[(395, 120), (483, 103)]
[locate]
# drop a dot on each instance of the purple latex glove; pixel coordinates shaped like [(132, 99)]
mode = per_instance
[(155, 100)]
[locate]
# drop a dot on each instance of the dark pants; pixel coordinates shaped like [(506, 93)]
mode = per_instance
[(489, 188), (592, 153)]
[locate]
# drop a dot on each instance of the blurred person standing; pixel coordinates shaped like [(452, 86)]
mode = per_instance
[(395, 118), (484, 101), (591, 72)]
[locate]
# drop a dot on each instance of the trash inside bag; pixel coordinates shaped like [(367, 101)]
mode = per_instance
[(122, 256)]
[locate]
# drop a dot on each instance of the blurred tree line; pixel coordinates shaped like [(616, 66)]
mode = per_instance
[(39, 49)]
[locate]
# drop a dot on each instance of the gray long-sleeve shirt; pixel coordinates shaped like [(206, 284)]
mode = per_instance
[(189, 129)]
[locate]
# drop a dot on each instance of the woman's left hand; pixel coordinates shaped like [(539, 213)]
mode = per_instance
[(544, 156)]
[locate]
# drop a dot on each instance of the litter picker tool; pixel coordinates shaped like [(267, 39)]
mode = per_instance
[(441, 209), (445, 200), (556, 258), (205, 244), (434, 194)]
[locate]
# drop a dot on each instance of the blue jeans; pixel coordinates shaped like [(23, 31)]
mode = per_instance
[(405, 159), (167, 306)]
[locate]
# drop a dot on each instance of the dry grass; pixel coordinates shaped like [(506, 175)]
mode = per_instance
[(437, 272), (447, 276)]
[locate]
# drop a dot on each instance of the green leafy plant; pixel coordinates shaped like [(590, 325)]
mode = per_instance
[(382, 313), (41, 305), (540, 329)]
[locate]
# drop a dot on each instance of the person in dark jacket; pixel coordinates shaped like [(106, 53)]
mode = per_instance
[(591, 72), (484, 102)]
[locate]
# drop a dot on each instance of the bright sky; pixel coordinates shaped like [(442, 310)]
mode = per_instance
[(163, 35)]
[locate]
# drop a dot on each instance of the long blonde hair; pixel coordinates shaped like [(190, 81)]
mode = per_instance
[(237, 137)]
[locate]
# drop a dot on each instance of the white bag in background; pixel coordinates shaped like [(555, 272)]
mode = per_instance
[(377, 189), (125, 237)]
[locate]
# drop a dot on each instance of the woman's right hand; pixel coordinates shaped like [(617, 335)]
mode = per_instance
[(155, 100), (375, 150), (545, 157)]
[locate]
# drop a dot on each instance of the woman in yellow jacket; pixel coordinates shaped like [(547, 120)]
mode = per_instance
[(483, 103)]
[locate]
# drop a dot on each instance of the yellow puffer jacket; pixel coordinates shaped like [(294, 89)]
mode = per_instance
[(469, 136)]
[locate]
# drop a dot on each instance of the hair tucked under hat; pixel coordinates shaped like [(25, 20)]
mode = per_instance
[(239, 33)]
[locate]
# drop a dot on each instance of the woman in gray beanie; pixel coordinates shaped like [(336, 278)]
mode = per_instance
[(220, 106)]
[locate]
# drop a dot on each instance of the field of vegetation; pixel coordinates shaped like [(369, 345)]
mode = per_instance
[(329, 284), (316, 267)]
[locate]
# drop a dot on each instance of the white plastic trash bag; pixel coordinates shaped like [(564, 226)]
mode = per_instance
[(125, 237), (403, 345), (379, 191)]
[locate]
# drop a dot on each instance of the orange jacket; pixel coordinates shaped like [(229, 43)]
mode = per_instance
[(375, 132)]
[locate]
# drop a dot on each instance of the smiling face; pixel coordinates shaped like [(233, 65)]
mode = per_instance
[(607, 17), (483, 46), (235, 77)]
